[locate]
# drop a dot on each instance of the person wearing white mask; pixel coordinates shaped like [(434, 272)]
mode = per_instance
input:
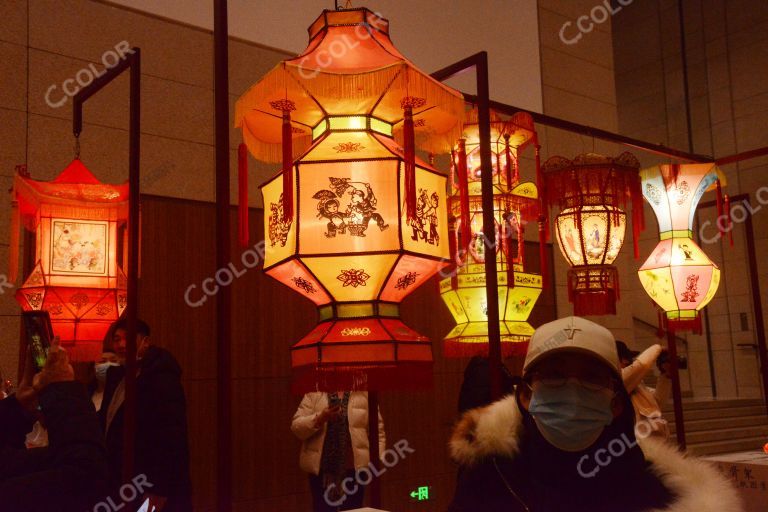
[(566, 441), (108, 360)]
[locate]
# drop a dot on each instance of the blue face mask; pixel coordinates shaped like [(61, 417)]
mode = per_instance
[(571, 417), (101, 370)]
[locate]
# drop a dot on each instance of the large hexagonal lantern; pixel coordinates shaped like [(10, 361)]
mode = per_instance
[(354, 221)]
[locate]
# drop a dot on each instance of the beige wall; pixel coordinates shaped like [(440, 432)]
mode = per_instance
[(44, 42), (578, 85), (727, 57), (431, 34)]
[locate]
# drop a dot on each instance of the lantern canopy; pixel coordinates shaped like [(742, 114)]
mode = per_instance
[(515, 203), (592, 193), (77, 276), (678, 275), (355, 220)]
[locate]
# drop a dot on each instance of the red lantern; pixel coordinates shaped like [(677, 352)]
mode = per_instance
[(355, 221), (77, 277), (592, 193)]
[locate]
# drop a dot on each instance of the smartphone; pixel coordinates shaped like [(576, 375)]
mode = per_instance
[(37, 325)]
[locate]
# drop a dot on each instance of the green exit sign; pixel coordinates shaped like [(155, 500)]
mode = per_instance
[(422, 493)]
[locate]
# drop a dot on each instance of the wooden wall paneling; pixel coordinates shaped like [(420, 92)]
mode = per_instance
[(268, 318)]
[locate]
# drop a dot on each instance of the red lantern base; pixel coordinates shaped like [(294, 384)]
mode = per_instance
[(458, 348), (593, 289), (362, 377), (684, 324), (362, 354)]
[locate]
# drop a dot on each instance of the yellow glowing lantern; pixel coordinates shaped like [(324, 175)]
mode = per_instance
[(355, 221), (514, 204), (77, 276), (678, 275), (592, 192)]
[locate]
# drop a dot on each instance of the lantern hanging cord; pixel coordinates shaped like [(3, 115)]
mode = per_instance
[(347, 5), (77, 147)]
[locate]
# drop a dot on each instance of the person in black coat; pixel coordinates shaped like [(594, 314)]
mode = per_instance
[(68, 474), (161, 450), (565, 441), (476, 386)]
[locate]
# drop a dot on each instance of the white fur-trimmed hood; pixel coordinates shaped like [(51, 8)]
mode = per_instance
[(495, 430)]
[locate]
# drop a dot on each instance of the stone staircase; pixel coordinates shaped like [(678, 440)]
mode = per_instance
[(722, 426)]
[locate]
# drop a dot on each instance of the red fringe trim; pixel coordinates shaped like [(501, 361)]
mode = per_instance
[(693, 325), (242, 194), (455, 263), (287, 167), (363, 377), (719, 190), (466, 228), (728, 218), (593, 290), (409, 152), (594, 303), (542, 186), (452, 175), (661, 317), (508, 155), (455, 349), (544, 270), (510, 252)]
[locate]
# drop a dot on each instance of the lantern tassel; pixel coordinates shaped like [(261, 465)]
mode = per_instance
[(286, 106), (510, 255), (466, 229), (720, 227), (660, 328), (511, 179), (287, 167), (638, 214), (543, 208), (452, 251), (543, 251), (452, 172), (409, 153), (242, 194), (728, 218), (13, 248)]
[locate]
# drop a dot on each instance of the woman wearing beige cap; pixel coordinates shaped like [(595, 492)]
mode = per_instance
[(565, 441)]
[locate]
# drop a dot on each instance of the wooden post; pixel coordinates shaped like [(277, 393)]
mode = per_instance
[(131, 61), (224, 296)]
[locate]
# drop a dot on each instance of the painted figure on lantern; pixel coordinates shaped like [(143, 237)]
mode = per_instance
[(278, 228), (77, 277), (425, 224)]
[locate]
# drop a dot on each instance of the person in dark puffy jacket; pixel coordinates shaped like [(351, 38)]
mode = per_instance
[(566, 441), (69, 474), (161, 450)]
